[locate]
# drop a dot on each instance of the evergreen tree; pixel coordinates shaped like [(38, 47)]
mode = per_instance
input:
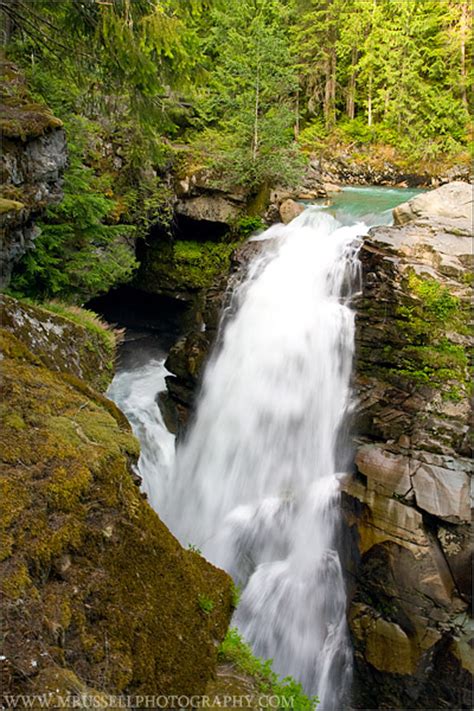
[(249, 104)]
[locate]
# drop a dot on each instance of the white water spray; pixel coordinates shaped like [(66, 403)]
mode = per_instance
[(255, 485), (135, 392)]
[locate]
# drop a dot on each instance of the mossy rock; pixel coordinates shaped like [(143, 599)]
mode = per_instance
[(20, 117), (64, 338), (94, 584), (182, 268), (10, 206)]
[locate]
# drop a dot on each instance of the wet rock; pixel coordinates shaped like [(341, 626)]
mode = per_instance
[(387, 472), (289, 209), (388, 648), (456, 543), (443, 492)]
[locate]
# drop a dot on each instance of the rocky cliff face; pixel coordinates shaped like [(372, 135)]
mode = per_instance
[(97, 595), (380, 165), (408, 504), (34, 157)]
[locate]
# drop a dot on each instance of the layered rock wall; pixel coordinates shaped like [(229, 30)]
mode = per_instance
[(408, 504)]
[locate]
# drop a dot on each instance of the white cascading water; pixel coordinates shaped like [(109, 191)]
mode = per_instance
[(255, 485), (135, 390)]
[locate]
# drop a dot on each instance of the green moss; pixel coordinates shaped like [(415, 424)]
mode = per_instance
[(88, 320), (20, 117), (16, 582), (64, 338), (423, 351), (91, 576), (185, 266), (436, 299), (10, 206), (65, 487), (22, 120)]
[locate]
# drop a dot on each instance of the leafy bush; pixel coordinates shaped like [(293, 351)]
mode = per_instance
[(313, 135)]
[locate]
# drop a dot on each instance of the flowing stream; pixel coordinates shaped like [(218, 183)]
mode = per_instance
[(254, 485)]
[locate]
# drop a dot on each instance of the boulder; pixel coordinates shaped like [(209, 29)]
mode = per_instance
[(66, 339), (209, 208), (453, 201), (388, 648), (289, 209), (387, 472), (443, 493)]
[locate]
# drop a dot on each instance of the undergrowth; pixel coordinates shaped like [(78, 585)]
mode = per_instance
[(234, 650)]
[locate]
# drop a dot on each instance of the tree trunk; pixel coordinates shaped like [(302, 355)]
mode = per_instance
[(330, 89), (350, 102), (7, 23), (257, 108), (369, 103), (464, 29), (297, 113)]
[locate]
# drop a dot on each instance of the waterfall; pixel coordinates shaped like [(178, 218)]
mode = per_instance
[(134, 390), (255, 485)]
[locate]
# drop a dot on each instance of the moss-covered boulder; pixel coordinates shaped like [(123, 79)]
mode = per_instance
[(94, 584), (65, 338), (181, 269)]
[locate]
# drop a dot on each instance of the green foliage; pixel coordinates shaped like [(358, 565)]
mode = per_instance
[(402, 70), (194, 549), (437, 300), (78, 254), (136, 50), (313, 135), (248, 109), (206, 604), (238, 80), (429, 356), (249, 224), (236, 592), (111, 71), (233, 649)]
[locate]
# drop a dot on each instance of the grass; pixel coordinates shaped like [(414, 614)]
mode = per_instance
[(206, 604), (234, 650), (83, 317)]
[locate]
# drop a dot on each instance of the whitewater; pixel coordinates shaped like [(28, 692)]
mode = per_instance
[(255, 483)]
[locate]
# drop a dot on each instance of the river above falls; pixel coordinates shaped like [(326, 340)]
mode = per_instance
[(255, 483), (370, 205)]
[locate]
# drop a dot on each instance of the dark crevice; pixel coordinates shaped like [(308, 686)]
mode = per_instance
[(187, 228), (131, 308)]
